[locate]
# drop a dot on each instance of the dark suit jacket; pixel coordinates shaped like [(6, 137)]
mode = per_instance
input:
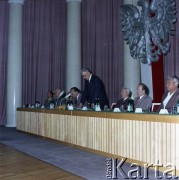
[(143, 102), (60, 100), (172, 102), (94, 89), (121, 102), (48, 102), (76, 102)]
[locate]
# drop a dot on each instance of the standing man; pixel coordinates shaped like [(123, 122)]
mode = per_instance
[(94, 88)]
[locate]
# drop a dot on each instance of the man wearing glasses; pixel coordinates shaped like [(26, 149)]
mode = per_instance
[(94, 89)]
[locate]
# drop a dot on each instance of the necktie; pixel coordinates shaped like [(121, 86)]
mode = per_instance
[(76, 100), (138, 100)]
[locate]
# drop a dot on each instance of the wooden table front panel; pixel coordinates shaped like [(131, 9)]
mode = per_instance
[(137, 139)]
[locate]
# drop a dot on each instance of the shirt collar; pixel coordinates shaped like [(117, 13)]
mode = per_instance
[(90, 78), (77, 96), (170, 94)]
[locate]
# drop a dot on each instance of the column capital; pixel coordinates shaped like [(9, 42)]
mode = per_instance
[(16, 1), (73, 1)]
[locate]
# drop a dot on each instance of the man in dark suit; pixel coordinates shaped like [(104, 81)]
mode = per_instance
[(94, 89), (143, 100), (123, 103), (76, 96), (59, 97), (50, 99), (171, 97)]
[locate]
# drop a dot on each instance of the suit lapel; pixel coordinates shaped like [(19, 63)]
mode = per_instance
[(140, 100), (171, 99), (91, 80)]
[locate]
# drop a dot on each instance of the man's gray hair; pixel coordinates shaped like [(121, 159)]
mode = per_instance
[(85, 70), (127, 90), (175, 79)]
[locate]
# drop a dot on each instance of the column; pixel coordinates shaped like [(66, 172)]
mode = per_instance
[(146, 77), (14, 61), (131, 66), (73, 63)]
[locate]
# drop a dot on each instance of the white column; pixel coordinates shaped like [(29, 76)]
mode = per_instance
[(73, 63), (146, 77), (131, 66), (14, 62)]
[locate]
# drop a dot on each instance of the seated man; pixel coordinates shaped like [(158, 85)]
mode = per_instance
[(122, 103), (49, 99), (76, 96), (142, 100), (59, 97), (170, 97)]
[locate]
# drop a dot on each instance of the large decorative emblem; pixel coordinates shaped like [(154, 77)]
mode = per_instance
[(147, 32)]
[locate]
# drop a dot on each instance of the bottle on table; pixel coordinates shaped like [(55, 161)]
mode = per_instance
[(130, 106), (52, 105), (97, 104), (147, 109)]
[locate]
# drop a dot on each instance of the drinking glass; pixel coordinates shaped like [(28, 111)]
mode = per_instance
[(105, 107)]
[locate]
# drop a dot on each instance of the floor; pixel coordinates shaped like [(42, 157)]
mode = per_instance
[(83, 164), (15, 165)]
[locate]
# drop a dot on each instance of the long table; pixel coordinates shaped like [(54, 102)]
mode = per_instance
[(141, 138)]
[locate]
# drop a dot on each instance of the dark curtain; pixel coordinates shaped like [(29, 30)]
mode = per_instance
[(3, 58), (44, 48), (102, 43), (171, 60)]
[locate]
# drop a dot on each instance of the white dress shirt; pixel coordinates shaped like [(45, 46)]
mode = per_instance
[(90, 78), (165, 101)]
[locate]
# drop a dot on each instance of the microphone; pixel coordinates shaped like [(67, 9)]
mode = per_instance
[(62, 93), (68, 95)]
